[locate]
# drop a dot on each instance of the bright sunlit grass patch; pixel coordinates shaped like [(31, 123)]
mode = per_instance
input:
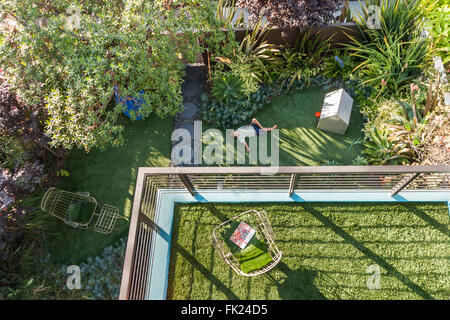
[(300, 142)]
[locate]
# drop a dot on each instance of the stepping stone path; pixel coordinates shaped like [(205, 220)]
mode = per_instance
[(192, 89), (190, 110)]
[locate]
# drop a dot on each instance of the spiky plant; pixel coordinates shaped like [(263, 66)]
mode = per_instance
[(390, 48), (255, 51), (381, 150)]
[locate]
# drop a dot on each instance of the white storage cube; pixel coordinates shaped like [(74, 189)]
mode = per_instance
[(336, 111)]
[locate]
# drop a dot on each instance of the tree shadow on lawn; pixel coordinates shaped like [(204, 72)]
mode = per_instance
[(302, 146), (300, 142), (367, 252), (110, 177)]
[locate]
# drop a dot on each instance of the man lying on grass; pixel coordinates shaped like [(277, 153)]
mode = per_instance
[(253, 129)]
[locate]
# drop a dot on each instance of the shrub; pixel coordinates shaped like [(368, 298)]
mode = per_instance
[(394, 54), (13, 185), (338, 65), (23, 149), (20, 129), (253, 57), (391, 67), (439, 25), (292, 14), (381, 150)]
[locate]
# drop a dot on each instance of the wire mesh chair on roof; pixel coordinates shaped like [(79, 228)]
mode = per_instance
[(235, 257), (78, 210)]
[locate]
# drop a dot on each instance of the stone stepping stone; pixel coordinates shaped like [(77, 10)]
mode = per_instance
[(191, 89), (190, 109), (195, 73)]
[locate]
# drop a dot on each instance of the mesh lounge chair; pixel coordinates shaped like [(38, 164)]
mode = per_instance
[(78, 210), (260, 254)]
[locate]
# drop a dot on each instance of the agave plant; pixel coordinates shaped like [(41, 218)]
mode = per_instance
[(360, 161), (353, 142), (381, 150), (227, 85), (408, 131)]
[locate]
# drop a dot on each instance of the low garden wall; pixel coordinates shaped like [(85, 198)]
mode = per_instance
[(339, 31)]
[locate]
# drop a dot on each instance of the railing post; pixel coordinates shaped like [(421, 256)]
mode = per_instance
[(293, 184), (403, 183), (187, 183), (128, 263), (149, 222)]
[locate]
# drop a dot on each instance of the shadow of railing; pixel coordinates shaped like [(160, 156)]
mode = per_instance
[(368, 253), (427, 218)]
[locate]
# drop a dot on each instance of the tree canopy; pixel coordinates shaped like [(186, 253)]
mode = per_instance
[(71, 57), (292, 14)]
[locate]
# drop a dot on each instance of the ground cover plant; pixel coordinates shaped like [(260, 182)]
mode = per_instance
[(100, 277), (327, 251)]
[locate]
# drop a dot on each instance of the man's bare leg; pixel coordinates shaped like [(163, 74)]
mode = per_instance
[(254, 120)]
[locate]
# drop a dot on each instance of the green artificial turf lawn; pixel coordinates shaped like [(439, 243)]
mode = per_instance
[(327, 250), (110, 178), (301, 143)]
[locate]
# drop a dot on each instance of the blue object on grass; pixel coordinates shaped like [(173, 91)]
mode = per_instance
[(339, 61), (131, 105)]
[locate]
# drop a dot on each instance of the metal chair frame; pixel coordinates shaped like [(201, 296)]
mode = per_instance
[(57, 202), (263, 231)]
